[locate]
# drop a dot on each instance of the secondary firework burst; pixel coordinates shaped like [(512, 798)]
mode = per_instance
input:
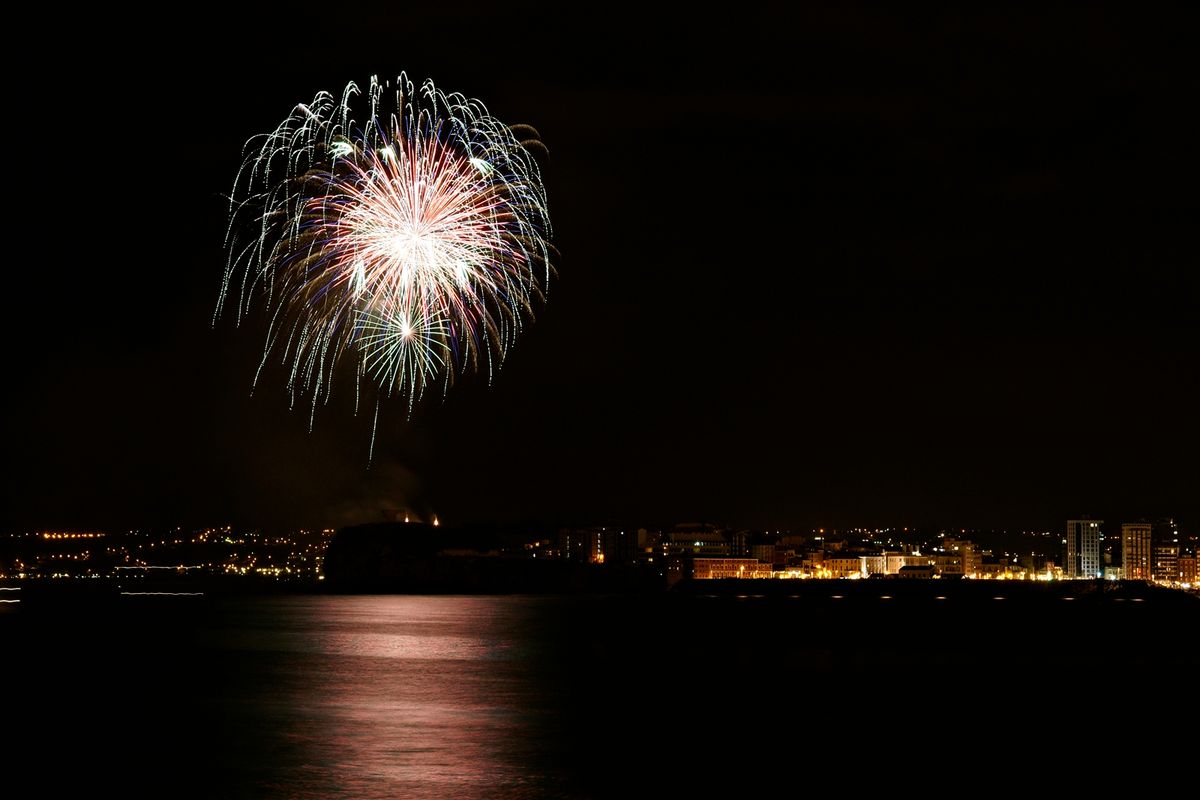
[(401, 233)]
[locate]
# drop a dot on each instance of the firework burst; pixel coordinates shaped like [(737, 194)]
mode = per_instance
[(400, 233)]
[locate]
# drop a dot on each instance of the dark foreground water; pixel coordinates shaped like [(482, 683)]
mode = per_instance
[(315, 696)]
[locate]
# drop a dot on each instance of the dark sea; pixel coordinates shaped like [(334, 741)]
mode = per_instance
[(319, 696)]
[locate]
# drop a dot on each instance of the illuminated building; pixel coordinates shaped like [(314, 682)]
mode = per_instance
[(706, 568), (1164, 551), (948, 564), (1135, 550), (586, 544), (1082, 557), (842, 567), (890, 563), (969, 552), (697, 539), (1187, 569)]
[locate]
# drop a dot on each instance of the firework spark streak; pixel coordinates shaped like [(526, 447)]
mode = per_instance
[(401, 232)]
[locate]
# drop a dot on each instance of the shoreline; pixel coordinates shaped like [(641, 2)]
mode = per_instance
[(31, 592)]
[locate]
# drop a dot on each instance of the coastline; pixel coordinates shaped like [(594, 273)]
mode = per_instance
[(490, 576)]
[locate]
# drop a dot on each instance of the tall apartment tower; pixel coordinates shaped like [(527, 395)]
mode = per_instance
[(1083, 548), (1135, 550), (1164, 551)]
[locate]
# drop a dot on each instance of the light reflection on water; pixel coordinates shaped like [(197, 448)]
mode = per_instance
[(387, 696)]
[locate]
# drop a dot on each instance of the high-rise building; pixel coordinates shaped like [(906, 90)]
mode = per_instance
[(1082, 557), (971, 557), (1187, 569), (618, 545), (1135, 550), (1164, 551), (582, 544)]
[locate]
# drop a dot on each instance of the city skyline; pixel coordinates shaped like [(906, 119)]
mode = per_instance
[(842, 266), (414, 558)]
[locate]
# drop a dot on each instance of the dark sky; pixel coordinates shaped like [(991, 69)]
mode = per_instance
[(848, 265)]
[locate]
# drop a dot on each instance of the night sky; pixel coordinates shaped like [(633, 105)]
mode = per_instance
[(842, 266)]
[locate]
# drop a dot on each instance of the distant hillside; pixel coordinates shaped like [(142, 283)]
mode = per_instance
[(419, 558)]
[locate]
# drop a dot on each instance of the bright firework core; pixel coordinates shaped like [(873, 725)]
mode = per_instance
[(413, 242)]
